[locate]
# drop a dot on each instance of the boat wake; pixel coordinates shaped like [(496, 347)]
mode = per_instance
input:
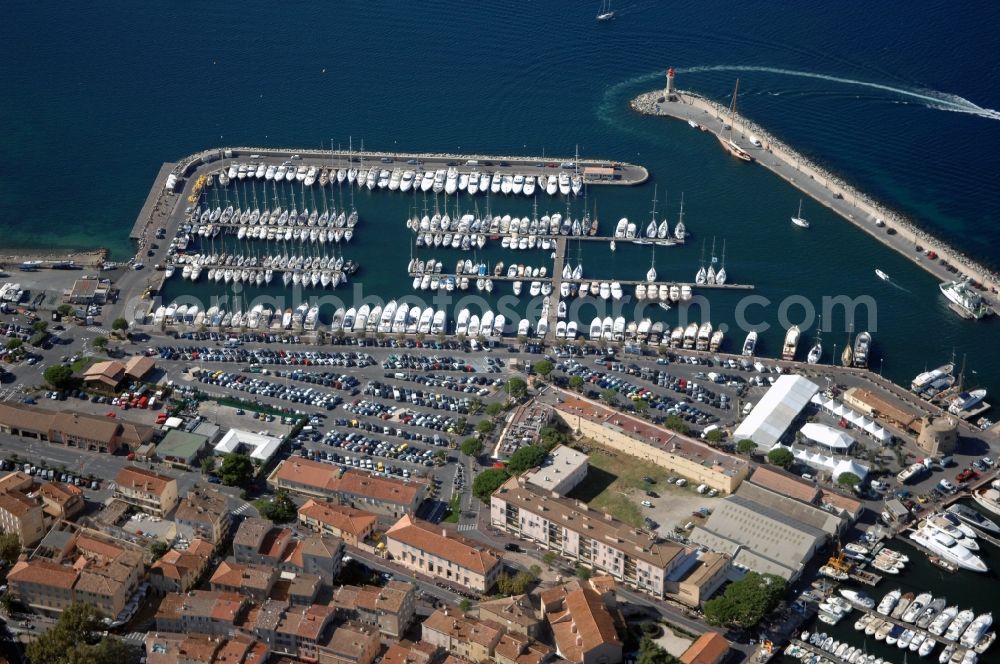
[(893, 283), (933, 99)]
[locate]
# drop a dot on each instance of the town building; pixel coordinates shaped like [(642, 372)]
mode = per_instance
[(561, 471), (173, 648), (471, 640), (692, 459), (515, 613), (89, 290), (386, 497), (881, 409), (111, 376), (45, 586), (318, 554), (202, 612), (260, 447), (583, 628), (204, 513), (351, 525), (420, 652), (22, 516), (61, 500), (182, 447), (177, 571), (938, 436), (253, 581), (259, 542), (434, 551), (389, 608), (709, 648), (605, 544), (73, 429), (146, 490)]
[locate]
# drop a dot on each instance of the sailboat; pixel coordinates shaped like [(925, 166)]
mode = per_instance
[(720, 276), (728, 143), (702, 274), (651, 274), (710, 275), (680, 231), (606, 13), (798, 220), (847, 357)]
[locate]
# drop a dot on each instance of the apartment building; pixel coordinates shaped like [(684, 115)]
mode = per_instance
[(203, 513), (317, 555), (22, 516), (177, 571), (480, 640), (582, 627), (351, 525), (202, 611), (259, 542), (390, 608), (252, 581)]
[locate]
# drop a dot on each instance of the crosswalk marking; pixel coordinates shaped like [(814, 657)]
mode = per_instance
[(138, 637), (241, 509), (467, 526)]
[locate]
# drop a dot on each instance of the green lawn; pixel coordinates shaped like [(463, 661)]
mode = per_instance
[(81, 365)]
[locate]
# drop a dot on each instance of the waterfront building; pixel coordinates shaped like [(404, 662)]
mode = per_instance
[(709, 648)]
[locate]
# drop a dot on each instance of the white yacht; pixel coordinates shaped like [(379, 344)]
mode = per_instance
[(942, 544)]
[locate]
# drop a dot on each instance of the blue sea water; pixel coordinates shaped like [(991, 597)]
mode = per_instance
[(895, 97)]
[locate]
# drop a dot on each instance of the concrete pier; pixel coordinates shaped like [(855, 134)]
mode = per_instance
[(155, 194), (886, 226), (557, 269)]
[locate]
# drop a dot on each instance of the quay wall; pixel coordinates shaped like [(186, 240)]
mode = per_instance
[(824, 187)]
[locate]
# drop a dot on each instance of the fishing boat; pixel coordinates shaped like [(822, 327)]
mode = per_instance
[(606, 13), (964, 297), (798, 219)]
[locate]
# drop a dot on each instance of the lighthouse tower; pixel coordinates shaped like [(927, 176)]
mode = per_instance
[(670, 81)]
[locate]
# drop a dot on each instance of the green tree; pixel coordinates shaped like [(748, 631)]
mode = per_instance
[(575, 382), (461, 424), (14, 344), (651, 653), (279, 510), (781, 456), (10, 547), (549, 557), (640, 405), (516, 388), (158, 548), (582, 573), (518, 584), (471, 447), (59, 376), (676, 423), (849, 480), (487, 482), (100, 342), (485, 426), (76, 639), (746, 446), (207, 465), (543, 368), (464, 605), (494, 409), (524, 458), (609, 397), (715, 436), (237, 469), (119, 324), (64, 310), (747, 601), (40, 326)]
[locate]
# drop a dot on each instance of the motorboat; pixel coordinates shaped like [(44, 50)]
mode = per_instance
[(889, 602), (974, 518), (858, 597), (945, 546), (942, 620), (791, 343), (988, 497)]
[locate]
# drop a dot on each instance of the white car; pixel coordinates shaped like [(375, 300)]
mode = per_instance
[(646, 503)]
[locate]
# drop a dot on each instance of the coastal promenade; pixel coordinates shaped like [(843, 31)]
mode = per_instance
[(830, 191)]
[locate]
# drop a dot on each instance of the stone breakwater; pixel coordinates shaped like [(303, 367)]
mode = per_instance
[(690, 105)]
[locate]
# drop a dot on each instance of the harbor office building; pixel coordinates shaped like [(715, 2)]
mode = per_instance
[(699, 463), (605, 544)]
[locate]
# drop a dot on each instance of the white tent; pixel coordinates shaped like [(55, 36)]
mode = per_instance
[(827, 436), (832, 465), (775, 412)]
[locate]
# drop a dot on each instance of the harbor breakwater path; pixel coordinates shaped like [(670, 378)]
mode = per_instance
[(897, 233)]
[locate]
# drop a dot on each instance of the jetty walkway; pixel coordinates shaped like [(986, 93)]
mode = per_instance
[(897, 233)]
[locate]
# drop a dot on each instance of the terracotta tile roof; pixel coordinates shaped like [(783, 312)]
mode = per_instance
[(107, 369), (141, 479), (176, 564), (519, 648), (81, 425), (464, 629), (436, 541), (209, 604), (840, 501), (382, 489), (652, 435), (59, 492), (138, 366), (343, 518), (582, 625), (236, 575), (785, 483), (275, 542), (17, 504), (16, 481), (305, 472), (201, 505), (416, 653), (98, 584), (93, 547), (389, 599), (43, 573), (325, 546), (516, 609), (306, 623), (23, 417), (710, 648), (351, 639)]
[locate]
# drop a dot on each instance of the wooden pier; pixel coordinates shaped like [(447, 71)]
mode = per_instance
[(817, 651), (557, 279)]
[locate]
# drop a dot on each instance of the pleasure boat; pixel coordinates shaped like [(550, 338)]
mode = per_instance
[(942, 620), (523, 327), (541, 328), (750, 344), (791, 343), (988, 497), (798, 219), (961, 294), (974, 518), (945, 546), (881, 275), (889, 602), (858, 597), (815, 353), (595, 329)]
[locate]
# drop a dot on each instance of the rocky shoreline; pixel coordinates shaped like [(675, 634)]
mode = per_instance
[(649, 104)]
